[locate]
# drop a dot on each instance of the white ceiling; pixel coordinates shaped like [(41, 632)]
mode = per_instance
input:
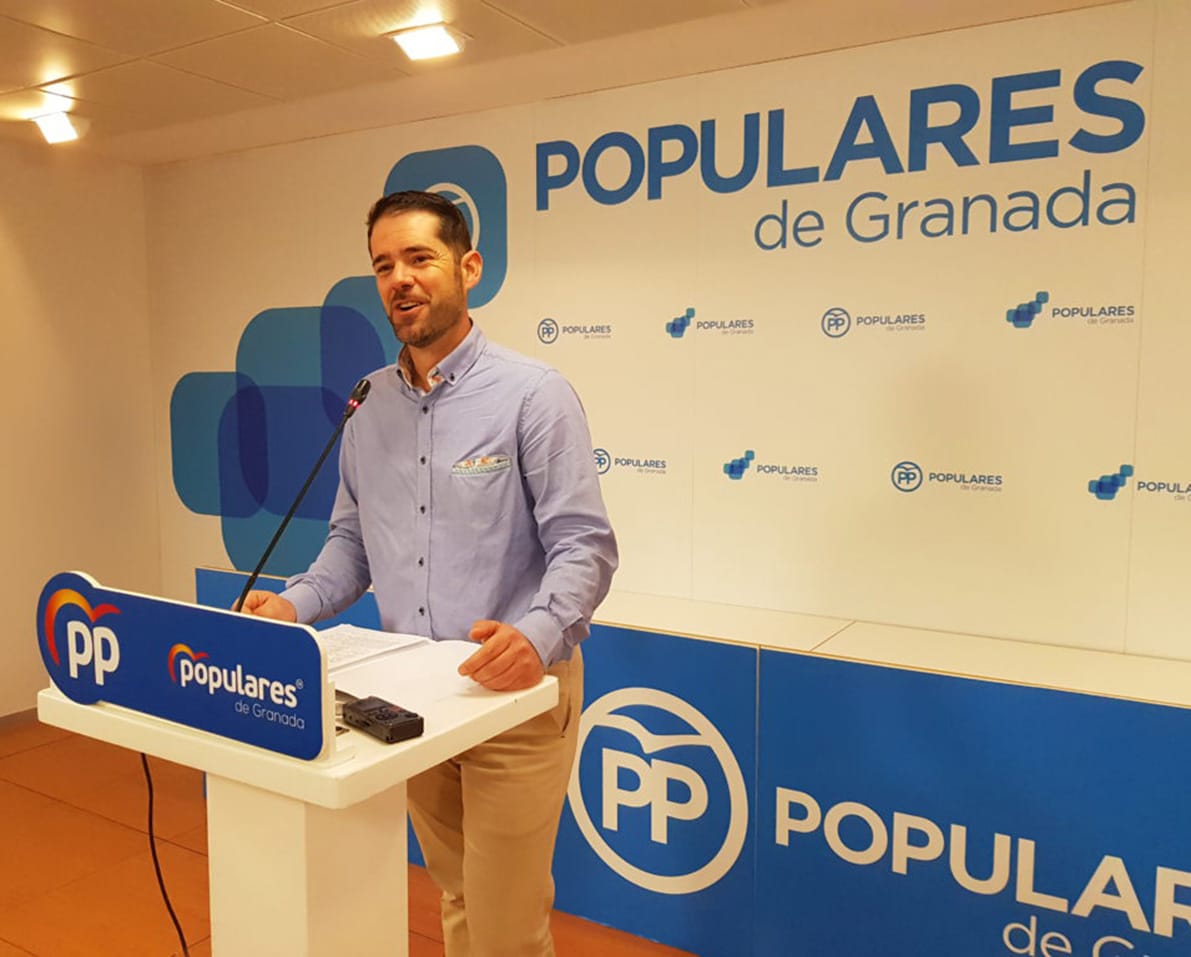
[(130, 67)]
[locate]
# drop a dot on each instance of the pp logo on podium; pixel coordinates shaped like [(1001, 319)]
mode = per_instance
[(657, 792), (92, 650)]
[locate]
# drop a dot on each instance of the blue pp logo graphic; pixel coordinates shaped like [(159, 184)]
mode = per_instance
[(670, 799), (603, 461), (1106, 487), (836, 322), (735, 468), (1022, 315), (547, 331), (678, 326), (906, 476), (473, 179)]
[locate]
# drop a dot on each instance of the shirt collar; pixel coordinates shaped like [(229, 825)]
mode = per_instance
[(452, 367)]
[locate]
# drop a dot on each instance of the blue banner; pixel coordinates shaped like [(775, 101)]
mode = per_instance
[(909, 813), (256, 681)]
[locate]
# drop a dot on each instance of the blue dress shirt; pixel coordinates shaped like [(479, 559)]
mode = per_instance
[(476, 500)]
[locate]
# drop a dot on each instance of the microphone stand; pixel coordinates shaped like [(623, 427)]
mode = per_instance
[(359, 394)]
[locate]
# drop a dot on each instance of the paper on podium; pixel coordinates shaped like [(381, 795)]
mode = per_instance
[(414, 682), (347, 645)]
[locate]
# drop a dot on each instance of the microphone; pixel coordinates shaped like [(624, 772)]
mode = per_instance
[(354, 401)]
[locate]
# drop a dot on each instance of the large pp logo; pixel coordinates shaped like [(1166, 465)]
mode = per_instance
[(472, 178), (547, 331), (657, 792), (603, 461), (242, 439), (75, 646)]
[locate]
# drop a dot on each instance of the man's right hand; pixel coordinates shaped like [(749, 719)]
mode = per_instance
[(267, 604)]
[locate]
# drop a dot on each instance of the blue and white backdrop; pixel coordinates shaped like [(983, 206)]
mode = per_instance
[(893, 334)]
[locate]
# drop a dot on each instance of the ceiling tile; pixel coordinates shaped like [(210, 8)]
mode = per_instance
[(359, 26), (578, 22), (30, 56), (16, 110), (146, 94), (279, 9), (277, 61), (136, 27)]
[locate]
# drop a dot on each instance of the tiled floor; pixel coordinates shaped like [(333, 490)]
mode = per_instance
[(76, 876)]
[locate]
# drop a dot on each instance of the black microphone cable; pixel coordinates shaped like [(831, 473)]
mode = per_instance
[(157, 864)]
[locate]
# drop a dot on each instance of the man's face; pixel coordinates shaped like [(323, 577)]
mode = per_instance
[(423, 286)]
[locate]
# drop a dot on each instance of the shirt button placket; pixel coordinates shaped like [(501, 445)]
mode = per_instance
[(422, 516)]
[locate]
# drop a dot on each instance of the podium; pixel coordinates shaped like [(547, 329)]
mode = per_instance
[(306, 857)]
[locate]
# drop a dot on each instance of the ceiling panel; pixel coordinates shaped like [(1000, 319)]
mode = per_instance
[(577, 22), (142, 95), (359, 26), (280, 9), (30, 56), (97, 119), (277, 61), (136, 27)]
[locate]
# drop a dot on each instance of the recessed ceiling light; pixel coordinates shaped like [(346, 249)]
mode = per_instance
[(425, 43), (57, 127)]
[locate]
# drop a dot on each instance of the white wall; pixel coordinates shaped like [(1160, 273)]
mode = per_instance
[(78, 487), (1045, 562)]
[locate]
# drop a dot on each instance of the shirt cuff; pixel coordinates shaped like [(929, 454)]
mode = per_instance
[(543, 633), (306, 602)]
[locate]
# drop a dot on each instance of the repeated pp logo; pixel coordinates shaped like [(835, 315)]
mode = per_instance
[(676, 328), (836, 322), (1105, 487), (657, 792), (74, 645), (906, 476), (605, 462), (550, 331), (1022, 315), (735, 468), (473, 179)]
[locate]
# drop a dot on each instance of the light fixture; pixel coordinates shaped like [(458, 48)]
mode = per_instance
[(57, 127), (425, 43)]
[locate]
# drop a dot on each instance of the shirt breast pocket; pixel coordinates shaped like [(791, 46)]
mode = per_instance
[(481, 495)]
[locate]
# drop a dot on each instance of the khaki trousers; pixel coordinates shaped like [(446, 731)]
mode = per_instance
[(487, 821)]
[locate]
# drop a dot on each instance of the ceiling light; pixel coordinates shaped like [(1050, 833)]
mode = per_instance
[(424, 43), (57, 127)]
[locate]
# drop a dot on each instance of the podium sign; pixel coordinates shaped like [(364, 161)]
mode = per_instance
[(253, 680)]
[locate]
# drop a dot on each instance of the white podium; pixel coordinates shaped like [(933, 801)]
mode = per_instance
[(309, 858)]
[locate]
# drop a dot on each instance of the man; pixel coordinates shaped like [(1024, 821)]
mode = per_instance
[(469, 500)]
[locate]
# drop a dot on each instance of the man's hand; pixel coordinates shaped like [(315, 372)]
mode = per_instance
[(506, 661), (267, 604)]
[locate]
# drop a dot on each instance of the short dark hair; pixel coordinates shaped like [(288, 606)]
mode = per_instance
[(452, 227)]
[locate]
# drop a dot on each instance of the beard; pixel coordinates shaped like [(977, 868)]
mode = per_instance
[(434, 322)]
